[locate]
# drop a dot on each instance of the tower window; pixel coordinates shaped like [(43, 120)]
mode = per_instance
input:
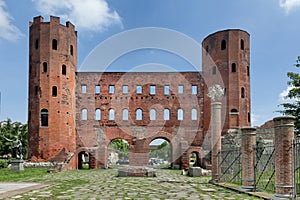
[(233, 67), (64, 69), (44, 117), (180, 114), (152, 114), (242, 44), (98, 114), (223, 45), (234, 111), (248, 71), (54, 44), (45, 67), (167, 90), (36, 44), (206, 49), (249, 117), (54, 91), (139, 114), (243, 92), (84, 114), (71, 50)]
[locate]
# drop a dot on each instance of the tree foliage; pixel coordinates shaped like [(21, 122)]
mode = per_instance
[(293, 107), (9, 131), (121, 147), (163, 151)]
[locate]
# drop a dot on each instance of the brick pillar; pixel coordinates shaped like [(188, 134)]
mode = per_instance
[(248, 157), (139, 154), (284, 172), (215, 139)]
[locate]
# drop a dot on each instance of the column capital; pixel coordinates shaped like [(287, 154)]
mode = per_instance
[(216, 92)]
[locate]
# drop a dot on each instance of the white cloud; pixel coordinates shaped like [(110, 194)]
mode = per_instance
[(92, 15), (8, 31), (288, 5), (282, 96), (255, 118)]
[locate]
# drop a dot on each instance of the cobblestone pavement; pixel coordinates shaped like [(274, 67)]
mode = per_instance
[(104, 184)]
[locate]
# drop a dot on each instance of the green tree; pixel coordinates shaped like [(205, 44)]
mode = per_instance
[(121, 147), (293, 107), (9, 131)]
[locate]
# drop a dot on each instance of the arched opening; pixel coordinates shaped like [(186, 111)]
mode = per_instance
[(139, 114), (194, 159), (152, 114), (242, 92), (160, 153), (54, 91), (233, 67), (118, 152), (45, 67), (71, 50), (84, 160), (242, 44), (234, 118), (36, 44), (64, 70)]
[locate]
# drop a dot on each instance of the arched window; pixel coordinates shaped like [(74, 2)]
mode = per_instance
[(54, 91), (63, 69), (152, 114), (45, 67), (54, 44), (111, 114), (206, 49), (36, 44), (248, 71), (71, 50), (223, 45), (243, 92), (98, 114), (249, 117), (139, 114), (84, 114), (194, 114), (233, 67), (44, 117), (166, 114), (180, 114), (242, 44), (125, 114), (36, 90)]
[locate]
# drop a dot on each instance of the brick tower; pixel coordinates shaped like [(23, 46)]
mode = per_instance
[(51, 107), (226, 62)]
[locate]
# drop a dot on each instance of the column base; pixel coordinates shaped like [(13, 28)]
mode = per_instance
[(17, 165)]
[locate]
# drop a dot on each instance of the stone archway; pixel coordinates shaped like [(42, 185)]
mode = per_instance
[(83, 160), (160, 153)]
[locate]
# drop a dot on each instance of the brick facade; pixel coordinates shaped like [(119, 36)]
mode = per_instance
[(85, 111)]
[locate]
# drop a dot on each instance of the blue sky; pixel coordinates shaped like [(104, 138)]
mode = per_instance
[(272, 24)]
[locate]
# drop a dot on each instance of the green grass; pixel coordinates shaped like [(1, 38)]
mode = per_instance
[(6, 175)]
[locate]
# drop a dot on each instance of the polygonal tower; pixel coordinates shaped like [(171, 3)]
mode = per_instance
[(51, 107), (226, 61)]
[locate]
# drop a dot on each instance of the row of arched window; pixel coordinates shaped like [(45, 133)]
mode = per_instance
[(233, 69), (63, 68), (138, 114), (54, 45), (224, 45)]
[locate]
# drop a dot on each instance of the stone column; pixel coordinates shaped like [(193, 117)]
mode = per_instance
[(248, 158), (216, 93), (284, 172)]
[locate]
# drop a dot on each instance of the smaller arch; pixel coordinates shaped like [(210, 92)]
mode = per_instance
[(234, 111), (194, 115), (223, 45), (166, 114), (54, 44), (84, 160)]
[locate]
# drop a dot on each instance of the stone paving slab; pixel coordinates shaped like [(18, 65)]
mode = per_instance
[(8, 189)]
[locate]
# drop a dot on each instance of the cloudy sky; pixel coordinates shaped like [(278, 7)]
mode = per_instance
[(273, 25)]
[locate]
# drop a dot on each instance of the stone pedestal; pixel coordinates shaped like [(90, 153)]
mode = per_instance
[(136, 171), (284, 172), (17, 165), (248, 158)]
